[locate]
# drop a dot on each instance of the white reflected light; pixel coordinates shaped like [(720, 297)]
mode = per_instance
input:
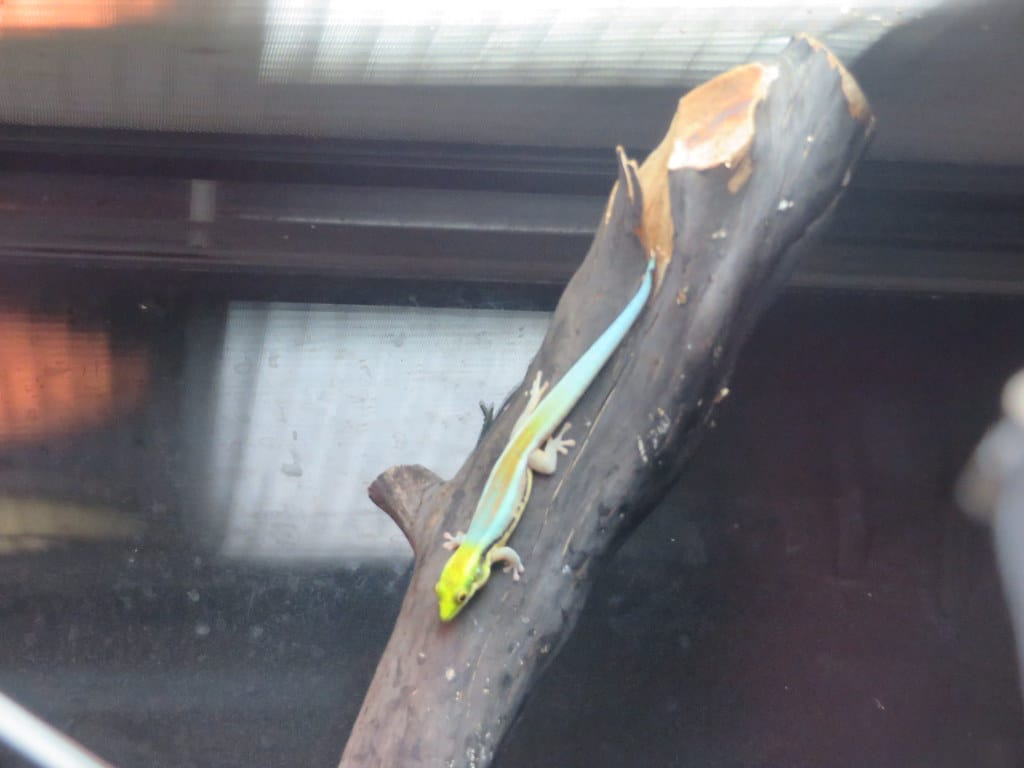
[(566, 43), (309, 404)]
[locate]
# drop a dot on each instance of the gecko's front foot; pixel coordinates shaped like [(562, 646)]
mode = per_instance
[(508, 556), (538, 388), (453, 542)]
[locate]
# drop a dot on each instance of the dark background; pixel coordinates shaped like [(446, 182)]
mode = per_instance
[(807, 596)]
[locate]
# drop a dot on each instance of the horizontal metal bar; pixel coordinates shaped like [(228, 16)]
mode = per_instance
[(935, 229), (305, 159)]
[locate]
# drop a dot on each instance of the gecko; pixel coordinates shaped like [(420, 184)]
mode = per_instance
[(508, 487)]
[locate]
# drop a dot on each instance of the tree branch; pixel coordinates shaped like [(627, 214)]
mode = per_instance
[(752, 163)]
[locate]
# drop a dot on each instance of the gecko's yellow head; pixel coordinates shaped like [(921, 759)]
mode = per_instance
[(463, 574)]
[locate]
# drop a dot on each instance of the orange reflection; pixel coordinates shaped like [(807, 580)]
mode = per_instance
[(55, 380), (75, 14)]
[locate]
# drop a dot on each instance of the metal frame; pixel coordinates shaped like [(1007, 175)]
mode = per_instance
[(497, 216)]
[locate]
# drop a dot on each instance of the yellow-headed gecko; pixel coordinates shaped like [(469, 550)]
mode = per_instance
[(508, 486)]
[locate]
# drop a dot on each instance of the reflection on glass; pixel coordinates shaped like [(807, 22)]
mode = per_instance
[(35, 524), (33, 15), (537, 42), (309, 404), (58, 385), (55, 379)]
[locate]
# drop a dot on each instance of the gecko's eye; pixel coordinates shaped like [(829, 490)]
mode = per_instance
[(460, 598)]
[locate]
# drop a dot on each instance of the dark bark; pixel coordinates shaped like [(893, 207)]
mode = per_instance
[(752, 163)]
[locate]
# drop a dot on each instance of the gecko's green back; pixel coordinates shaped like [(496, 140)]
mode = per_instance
[(468, 569)]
